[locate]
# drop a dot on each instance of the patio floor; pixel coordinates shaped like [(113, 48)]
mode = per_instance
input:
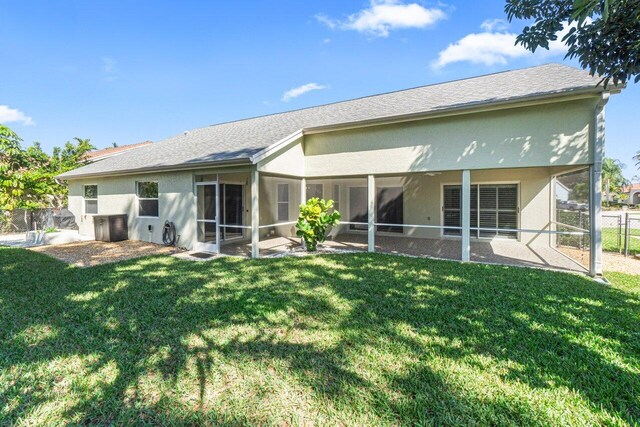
[(497, 251)]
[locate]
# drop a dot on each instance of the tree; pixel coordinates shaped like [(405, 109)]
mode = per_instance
[(603, 34), (27, 176), (612, 178), (637, 159)]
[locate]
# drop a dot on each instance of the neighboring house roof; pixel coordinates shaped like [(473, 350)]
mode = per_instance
[(96, 155), (241, 141), (632, 187)]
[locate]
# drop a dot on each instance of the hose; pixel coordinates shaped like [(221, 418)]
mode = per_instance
[(169, 233)]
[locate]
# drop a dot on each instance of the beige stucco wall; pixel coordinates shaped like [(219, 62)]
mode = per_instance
[(536, 136), (176, 202), (117, 195)]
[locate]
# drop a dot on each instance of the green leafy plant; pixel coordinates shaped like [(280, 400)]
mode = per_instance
[(50, 230), (313, 221)]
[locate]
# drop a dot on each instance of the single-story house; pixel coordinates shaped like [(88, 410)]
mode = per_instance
[(438, 168), (633, 193)]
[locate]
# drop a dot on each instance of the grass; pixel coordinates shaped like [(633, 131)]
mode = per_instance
[(358, 339), (610, 240)]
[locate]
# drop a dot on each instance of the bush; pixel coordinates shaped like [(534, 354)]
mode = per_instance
[(313, 221)]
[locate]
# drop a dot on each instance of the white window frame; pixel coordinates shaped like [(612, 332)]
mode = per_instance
[(84, 199), (479, 183), (138, 199), (279, 202)]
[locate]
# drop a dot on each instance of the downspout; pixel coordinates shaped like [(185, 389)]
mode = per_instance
[(595, 193)]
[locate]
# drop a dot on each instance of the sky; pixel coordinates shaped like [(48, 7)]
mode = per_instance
[(130, 71)]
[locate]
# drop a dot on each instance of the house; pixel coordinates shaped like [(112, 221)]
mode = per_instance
[(449, 169), (95, 155), (633, 191)]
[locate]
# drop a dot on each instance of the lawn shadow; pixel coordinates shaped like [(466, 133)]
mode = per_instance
[(306, 322)]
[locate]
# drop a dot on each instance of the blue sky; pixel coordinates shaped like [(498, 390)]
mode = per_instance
[(130, 71)]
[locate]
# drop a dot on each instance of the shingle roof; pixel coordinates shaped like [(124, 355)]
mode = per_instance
[(239, 140), (95, 155)]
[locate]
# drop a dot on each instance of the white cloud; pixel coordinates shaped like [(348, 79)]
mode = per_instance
[(382, 16), (495, 45), (12, 115), (301, 90), (494, 24)]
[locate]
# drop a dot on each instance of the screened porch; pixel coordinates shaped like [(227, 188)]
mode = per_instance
[(511, 220)]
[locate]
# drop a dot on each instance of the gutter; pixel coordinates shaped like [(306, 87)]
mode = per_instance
[(151, 169)]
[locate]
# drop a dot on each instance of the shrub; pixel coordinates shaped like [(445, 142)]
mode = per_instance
[(50, 230), (313, 221)]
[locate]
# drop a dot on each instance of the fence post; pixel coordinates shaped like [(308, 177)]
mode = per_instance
[(626, 234), (619, 234)]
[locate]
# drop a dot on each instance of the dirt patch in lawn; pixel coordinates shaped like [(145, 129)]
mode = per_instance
[(610, 261), (88, 254)]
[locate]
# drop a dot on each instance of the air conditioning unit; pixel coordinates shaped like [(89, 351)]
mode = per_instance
[(111, 228)]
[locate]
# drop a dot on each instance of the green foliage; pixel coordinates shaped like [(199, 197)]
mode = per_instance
[(313, 221), (613, 180), (50, 230), (604, 34), (27, 176)]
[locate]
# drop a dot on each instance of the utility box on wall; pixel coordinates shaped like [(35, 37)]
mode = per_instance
[(111, 228)]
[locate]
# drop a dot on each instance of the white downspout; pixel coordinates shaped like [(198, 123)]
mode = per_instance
[(595, 195)]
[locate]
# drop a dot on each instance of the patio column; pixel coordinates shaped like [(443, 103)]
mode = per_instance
[(303, 191), (255, 214), (466, 215), (595, 193), (371, 208)]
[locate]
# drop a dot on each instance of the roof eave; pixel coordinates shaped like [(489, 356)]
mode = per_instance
[(151, 169)]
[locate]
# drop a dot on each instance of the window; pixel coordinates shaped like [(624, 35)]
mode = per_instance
[(147, 198), (390, 209), (283, 202), (336, 197), (492, 206), (315, 190), (90, 199)]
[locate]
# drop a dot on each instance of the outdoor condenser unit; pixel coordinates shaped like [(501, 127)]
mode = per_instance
[(111, 228)]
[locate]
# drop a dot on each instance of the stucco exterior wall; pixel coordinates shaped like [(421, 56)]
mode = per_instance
[(287, 161), (117, 195), (537, 136)]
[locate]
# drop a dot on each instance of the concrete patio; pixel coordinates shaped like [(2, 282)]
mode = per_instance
[(498, 251)]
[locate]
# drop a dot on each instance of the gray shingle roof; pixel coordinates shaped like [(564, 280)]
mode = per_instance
[(239, 140)]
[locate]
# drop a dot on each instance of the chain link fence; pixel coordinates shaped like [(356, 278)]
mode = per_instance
[(621, 233), (22, 221)]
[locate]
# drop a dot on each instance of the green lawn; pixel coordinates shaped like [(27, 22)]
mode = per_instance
[(355, 339), (610, 240)]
